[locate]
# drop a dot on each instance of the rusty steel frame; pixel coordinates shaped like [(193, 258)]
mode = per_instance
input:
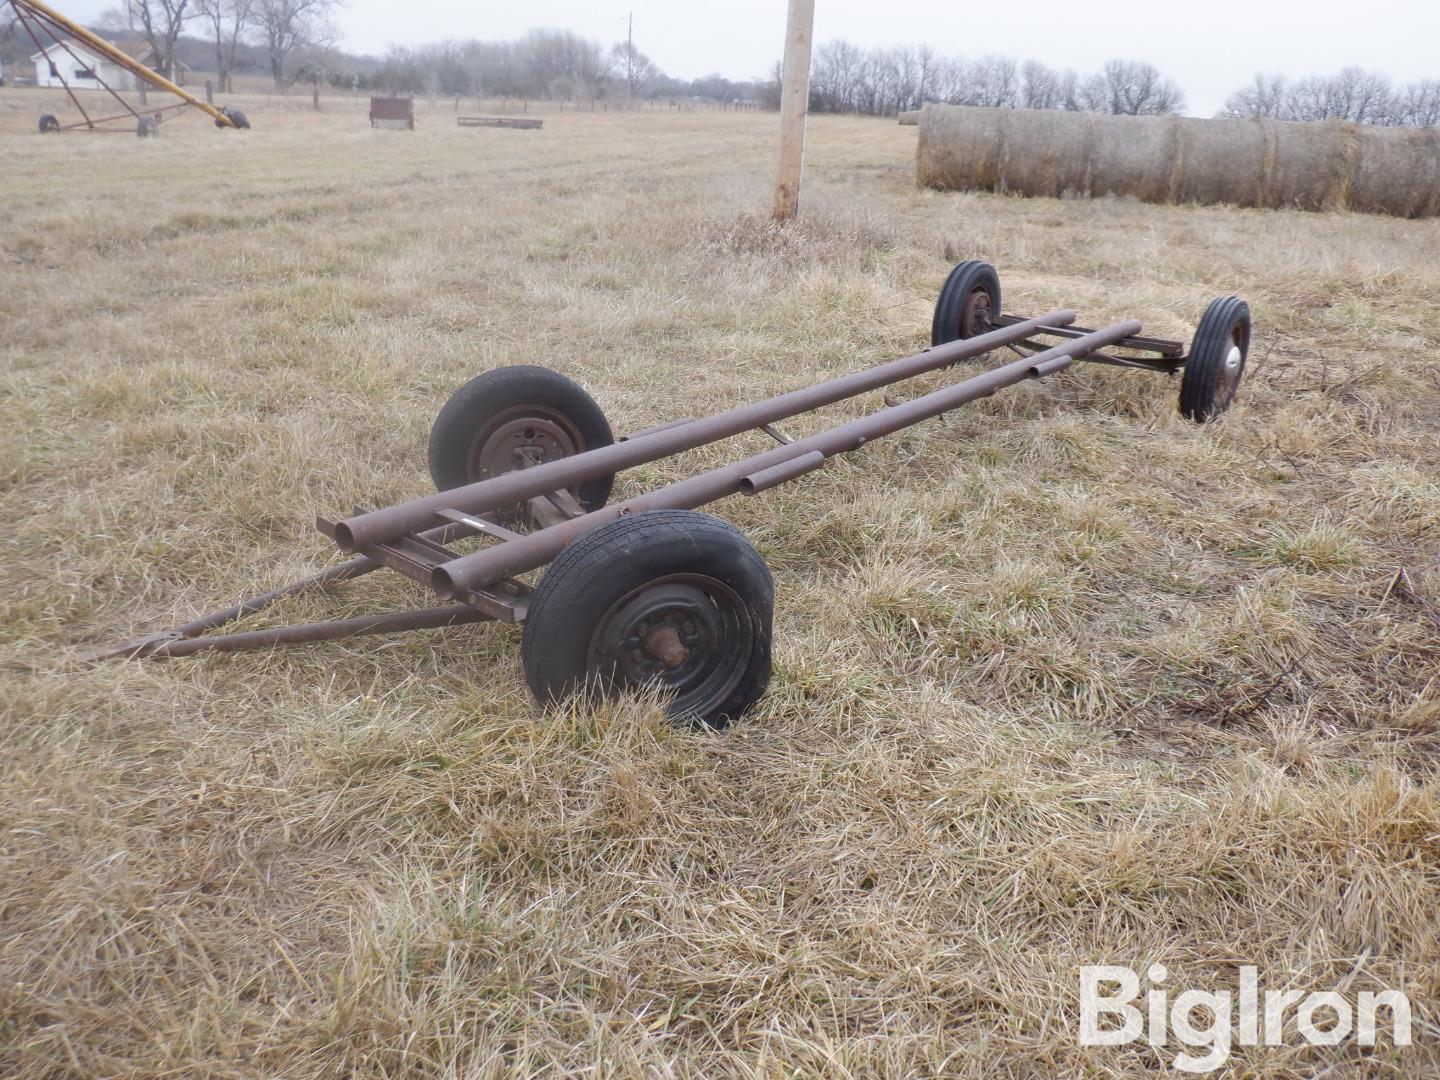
[(57, 26), (412, 538)]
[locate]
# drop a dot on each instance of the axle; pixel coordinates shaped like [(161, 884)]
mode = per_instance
[(383, 526), (458, 576)]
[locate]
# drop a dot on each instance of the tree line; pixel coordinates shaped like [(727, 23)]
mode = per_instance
[(1365, 97), (554, 64), (845, 78), (295, 40)]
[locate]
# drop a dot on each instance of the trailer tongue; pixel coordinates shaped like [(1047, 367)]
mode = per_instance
[(647, 591)]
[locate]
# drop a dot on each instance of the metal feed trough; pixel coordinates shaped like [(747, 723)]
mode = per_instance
[(523, 123), (392, 112), (647, 591)]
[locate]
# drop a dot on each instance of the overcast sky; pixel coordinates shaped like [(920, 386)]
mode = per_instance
[(1209, 48)]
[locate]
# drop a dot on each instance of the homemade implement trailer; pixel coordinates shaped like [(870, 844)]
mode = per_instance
[(41, 21), (646, 591)]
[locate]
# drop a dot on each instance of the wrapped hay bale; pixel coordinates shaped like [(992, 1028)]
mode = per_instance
[(1170, 159)]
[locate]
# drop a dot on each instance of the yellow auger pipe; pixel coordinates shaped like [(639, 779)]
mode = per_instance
[(127, 62)]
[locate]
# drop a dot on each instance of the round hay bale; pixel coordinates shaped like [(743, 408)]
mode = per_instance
[(1310, 165), (1168, 159), (1046, 153), (1220, 161), (1396, 171), (1024, 151), (959, 148), (1134, 155)]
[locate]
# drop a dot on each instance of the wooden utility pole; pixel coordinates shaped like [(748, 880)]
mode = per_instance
[(794, 101)]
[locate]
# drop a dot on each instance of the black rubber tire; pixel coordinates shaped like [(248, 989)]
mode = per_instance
[(602, 570), (237, 117), (48, 124), (146, 127), (471, 408), (1208, 386), (964, 280)]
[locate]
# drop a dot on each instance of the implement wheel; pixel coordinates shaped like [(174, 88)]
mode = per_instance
[(672, 599), (48, 124), (1217, 359), (146, 127), (968, 301), (513, 418), (236, 117)]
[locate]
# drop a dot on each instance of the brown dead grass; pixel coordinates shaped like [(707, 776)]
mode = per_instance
[(1060, 679)]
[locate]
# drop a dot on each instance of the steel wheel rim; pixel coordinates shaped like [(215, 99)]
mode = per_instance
[(517, 439), (632, 644), (975, 313), (1233, 364)]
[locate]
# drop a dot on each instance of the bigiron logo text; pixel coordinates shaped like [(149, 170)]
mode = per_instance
[(1248, 1016)]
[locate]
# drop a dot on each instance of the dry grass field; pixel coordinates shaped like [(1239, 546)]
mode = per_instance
[(1061, 679)]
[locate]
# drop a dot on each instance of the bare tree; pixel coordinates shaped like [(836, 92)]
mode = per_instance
[(925, 60), (1264, 97), (562, 63), (1418, 105), (637, 69), (997, 82), (228, 20), (161, 22), (287, 26), (1039, 86), (1131, 88), (1352, 94)]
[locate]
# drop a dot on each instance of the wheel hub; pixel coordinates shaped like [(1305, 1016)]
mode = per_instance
[(1230, 370), (519, 443), (975, 315), (519, 439), (680, 633)]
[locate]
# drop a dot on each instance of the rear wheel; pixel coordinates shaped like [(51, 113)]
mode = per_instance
[(1217, 359), (671, 599), (968, 302), (514, 418)]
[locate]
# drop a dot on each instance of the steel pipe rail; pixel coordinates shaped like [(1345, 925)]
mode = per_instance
[(382, 526), (455, 578)]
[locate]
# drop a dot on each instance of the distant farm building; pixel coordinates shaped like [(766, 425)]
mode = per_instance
[(70, 62), (179, 73)]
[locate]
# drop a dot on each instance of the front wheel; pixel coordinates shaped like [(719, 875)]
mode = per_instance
[(671, 599), (1217, 359)]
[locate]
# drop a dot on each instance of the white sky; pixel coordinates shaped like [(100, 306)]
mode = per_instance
[(1210, 48)]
